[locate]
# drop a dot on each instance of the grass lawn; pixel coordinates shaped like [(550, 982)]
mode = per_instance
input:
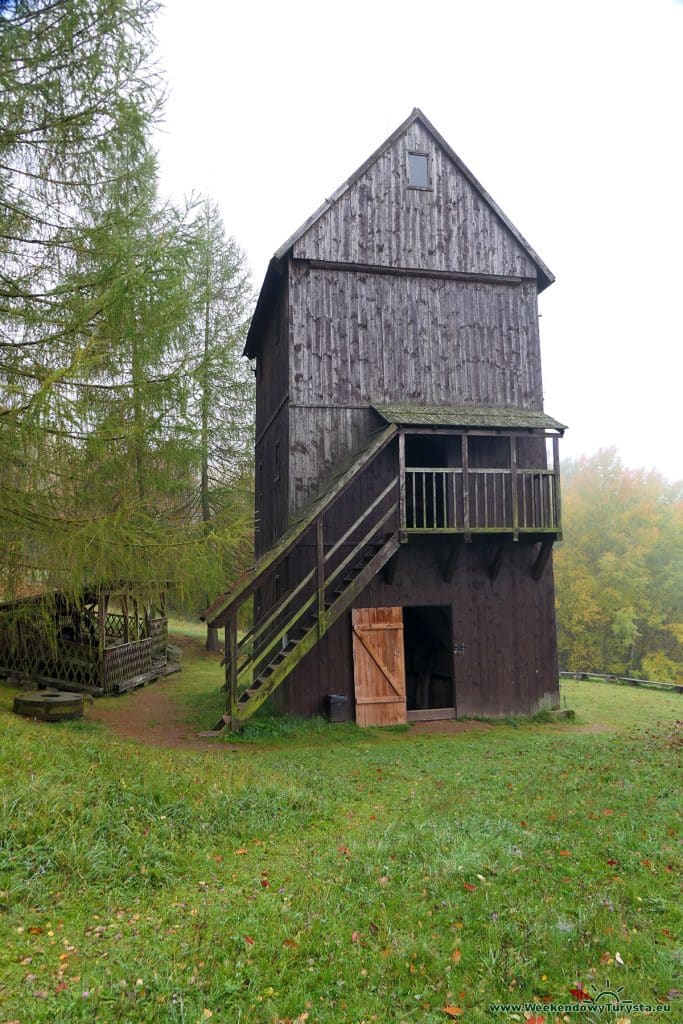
[(327, 874)]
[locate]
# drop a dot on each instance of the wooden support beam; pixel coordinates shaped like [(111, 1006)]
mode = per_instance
[(497, 560), (102, 606), (452, 560), (231, 663), (402, 480), (465, 489), (542, 556), (513, 488), (320, 574), (558, 497), (126, 623)]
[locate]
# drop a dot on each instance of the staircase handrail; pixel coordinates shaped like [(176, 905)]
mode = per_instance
[(217, 614)]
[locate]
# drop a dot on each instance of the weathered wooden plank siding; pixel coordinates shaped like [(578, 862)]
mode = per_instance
[(272, 428), (320, 439), (381, 338), (509, 663), (380, 220)]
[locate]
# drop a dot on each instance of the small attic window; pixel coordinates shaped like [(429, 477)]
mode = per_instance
[(418, 170)]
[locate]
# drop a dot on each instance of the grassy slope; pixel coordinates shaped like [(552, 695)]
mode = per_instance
[(336, 872)]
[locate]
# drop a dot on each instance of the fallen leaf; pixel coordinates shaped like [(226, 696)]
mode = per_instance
[(453, 1011), (355, 936), (373, 928), (345, 850), (34, 930), (535, 1019), (242, 850), (606, 959), (456, 956), (383, 880), (207, 1014), (265, 883), (301, 1019), (612, 862), (673, 993), (468, 887), (565, 853), (248, 939), (290, 944), (580, 993)]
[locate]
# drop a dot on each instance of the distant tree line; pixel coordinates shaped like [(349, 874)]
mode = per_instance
[(619, 572), (125, 410)]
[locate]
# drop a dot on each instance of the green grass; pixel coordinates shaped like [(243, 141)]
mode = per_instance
[(332, 871)]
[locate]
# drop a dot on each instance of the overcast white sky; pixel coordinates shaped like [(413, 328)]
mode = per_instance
[(569, 113)]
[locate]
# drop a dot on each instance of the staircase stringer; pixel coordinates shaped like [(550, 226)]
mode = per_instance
[(314, 634)]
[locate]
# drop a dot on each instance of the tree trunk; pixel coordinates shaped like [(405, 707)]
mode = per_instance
[(212, 638)]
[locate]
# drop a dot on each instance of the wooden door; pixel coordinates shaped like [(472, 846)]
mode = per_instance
[(379, 666)]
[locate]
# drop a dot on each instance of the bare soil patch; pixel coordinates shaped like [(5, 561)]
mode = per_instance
[(150, 716), (447, 727)]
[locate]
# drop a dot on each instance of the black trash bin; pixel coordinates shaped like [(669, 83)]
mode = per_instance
[(338, 708)]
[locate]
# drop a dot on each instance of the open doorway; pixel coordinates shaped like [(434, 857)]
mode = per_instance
[(427, 637)]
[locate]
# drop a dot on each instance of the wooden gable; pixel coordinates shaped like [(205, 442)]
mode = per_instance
[(376, 218)]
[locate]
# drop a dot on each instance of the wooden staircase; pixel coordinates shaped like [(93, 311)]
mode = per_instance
[(327, 572)]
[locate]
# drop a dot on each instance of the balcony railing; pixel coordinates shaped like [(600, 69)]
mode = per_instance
[(455, 500)]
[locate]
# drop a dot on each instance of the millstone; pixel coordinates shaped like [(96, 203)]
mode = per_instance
[(49, 705)]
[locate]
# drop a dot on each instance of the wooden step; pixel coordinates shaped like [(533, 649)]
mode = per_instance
[(221, 725)]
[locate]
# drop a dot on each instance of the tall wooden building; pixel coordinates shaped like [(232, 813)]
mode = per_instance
[(407, 482)]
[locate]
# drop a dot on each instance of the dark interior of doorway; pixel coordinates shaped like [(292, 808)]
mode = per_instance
[(428, 643)]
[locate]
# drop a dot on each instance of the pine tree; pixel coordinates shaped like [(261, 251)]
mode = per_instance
[(223, 388)]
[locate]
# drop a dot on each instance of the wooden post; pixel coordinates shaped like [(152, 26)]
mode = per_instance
[(465, 489), (102, 603), (126, 624), (513, 486), (148, 619), (402, 483), (558, 502), (136, 619), (231, 664), (320, 574)]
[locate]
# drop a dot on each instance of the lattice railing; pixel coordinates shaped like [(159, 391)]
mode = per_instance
[(159, 636), (125, 662), (29, 654)]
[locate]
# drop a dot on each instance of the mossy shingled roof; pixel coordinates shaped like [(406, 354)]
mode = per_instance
[(496, 417)]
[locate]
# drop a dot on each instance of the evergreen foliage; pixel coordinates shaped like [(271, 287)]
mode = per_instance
[(102, 348)]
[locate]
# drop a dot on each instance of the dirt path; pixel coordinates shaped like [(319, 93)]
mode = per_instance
[(152, 717)]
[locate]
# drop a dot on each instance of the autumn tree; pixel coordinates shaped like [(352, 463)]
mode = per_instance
[(619, 570)]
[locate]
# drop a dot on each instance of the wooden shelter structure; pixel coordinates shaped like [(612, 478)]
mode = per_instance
[(105, 639), (407, 476)]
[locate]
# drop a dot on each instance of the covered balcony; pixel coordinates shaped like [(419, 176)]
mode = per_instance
[(473, 470)]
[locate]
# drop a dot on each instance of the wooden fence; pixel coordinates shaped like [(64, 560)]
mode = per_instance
[(651, 684)]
